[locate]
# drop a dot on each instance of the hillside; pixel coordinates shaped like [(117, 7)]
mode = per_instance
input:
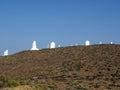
[(95, 67)]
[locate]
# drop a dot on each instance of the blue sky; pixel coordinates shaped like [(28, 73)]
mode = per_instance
[(66, 22)]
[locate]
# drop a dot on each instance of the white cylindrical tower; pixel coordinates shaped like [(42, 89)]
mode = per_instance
[(34, 46), (6, 53), (52, 45)]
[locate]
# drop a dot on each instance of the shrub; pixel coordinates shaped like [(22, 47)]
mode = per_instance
[(7, 82), (96, 85), (78, 66), (80, 88), (67, 66), (52, 86)]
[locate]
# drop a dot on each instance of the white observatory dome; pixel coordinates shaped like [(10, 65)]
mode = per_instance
[(87, 43)]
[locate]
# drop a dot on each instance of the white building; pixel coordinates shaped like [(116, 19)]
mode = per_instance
[(100, 42), (111, 42), (59, 46), (34, 46), (5, 53), (52, 45), (87, 43)]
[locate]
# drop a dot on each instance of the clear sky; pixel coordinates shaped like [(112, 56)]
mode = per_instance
[(66, 22)]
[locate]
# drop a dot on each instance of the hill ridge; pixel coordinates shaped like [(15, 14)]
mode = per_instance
[(75, 63)]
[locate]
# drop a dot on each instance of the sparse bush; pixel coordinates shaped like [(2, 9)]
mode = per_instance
[(7, 82), (109, 88), (78, 66), (67, 66), (114, 75), (96, 85), (52, 87), (113, 80), (80, 88), (99, 74)]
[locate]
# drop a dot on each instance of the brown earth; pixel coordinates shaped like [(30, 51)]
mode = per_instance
[(95, 67)]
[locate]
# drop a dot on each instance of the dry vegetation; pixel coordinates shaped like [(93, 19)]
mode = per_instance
[(95, 67)]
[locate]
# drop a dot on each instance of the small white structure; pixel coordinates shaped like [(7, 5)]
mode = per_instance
[(100, 42), (59, 46), (76, 44), (34, 46), (5, 53), (87, 43), (52, 45), (111, 42)]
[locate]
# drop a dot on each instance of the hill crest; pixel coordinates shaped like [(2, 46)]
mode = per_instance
[(75, 63)]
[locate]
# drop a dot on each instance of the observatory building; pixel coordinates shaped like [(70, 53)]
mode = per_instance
[(52, 45), (100, 42), (87, 43), (5, 53), (34, 46), (111, 42)]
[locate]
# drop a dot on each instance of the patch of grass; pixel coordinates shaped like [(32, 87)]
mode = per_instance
[(7, 82)]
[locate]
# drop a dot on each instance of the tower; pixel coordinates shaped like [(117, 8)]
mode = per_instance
[(5, 53), (52, 45), (34, 46)]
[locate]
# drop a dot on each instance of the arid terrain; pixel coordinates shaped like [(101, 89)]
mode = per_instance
[(94, 67)]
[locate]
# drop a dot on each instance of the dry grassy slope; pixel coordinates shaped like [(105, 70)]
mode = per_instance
[(25, 87), (80, 60)]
